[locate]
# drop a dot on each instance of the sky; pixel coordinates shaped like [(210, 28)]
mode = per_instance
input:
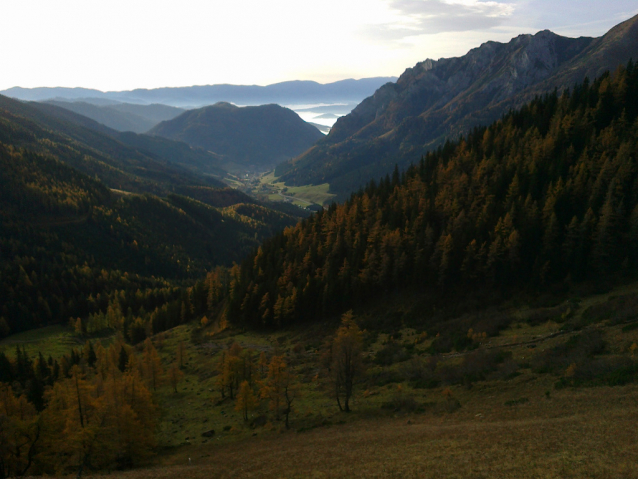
[(125, 44)]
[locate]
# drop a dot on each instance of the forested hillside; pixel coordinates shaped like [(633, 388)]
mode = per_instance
[(88, 147), (67, 242), (545, 195)]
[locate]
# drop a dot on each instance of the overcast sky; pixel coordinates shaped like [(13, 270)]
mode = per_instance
[(126, 44)]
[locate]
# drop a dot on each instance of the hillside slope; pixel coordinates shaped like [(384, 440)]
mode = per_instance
[(548, 194), (122, 116), (87, 146), (260, 136), (443, 99), (65, 236)]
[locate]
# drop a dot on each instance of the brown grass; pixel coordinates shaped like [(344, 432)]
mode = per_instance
[(507, 427), (588, 433)]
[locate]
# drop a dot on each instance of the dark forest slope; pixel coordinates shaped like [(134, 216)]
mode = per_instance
[(65, 236), (548, 194), (161, 150)]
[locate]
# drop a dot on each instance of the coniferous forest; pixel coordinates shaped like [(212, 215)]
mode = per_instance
[(547, 194)]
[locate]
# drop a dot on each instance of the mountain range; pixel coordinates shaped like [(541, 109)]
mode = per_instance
[(122, 116), (285, 93), (440, 99)]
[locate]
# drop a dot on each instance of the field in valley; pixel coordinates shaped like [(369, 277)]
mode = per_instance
[(299, 195)]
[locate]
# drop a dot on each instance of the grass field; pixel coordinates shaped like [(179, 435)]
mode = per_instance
[(51, 340), (573, 434), (519, 426), (300, 195)]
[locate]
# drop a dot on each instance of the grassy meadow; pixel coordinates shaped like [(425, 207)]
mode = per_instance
[(50, 341), (301, 195), (514, 422)]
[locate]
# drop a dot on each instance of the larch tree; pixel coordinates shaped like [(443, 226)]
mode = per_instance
[(152, 365), (175, 376), (280, 388), (246, 400), (20, 432), (180, 354), (345, 360), (74, 411)]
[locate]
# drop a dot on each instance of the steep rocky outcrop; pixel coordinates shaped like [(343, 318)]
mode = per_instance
[(439, 99)]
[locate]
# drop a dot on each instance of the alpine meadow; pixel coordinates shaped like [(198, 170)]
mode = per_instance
[(431, 275)]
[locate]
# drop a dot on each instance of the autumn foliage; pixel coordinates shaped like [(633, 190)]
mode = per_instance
[(545, 195), (106, 416)]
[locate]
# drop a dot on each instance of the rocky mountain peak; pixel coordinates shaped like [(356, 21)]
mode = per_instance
[(438, 99)]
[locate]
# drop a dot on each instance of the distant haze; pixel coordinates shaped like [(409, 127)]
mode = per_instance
[(311, 100), (303, 93), (123, 44)]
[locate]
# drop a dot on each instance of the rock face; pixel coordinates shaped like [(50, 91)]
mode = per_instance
[(438, 99), (260, 136)]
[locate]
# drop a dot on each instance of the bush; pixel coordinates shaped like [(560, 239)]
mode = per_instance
[(421, 373), (391, 353), (444, 343), (610, 371), (384, 377), (492, 324), (576, 350), (556, 313), (516, 402), (617, 309), (401, 401), (448, 406)]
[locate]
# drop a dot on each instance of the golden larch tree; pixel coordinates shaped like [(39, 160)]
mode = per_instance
[(246, 400), (345, 360)]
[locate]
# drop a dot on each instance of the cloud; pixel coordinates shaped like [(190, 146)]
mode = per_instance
[(428, 17)]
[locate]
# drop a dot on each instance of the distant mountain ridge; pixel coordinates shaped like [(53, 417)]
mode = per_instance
[(442, 99), (96, 150), (122, 116), (261, 136), (290, 92)]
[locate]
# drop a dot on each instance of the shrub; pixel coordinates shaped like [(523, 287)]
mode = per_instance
[(516, 402), (618, 309), (556, 313), (401, 401), (421, 373), (391, 353), (383, 377), (576, 350)]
